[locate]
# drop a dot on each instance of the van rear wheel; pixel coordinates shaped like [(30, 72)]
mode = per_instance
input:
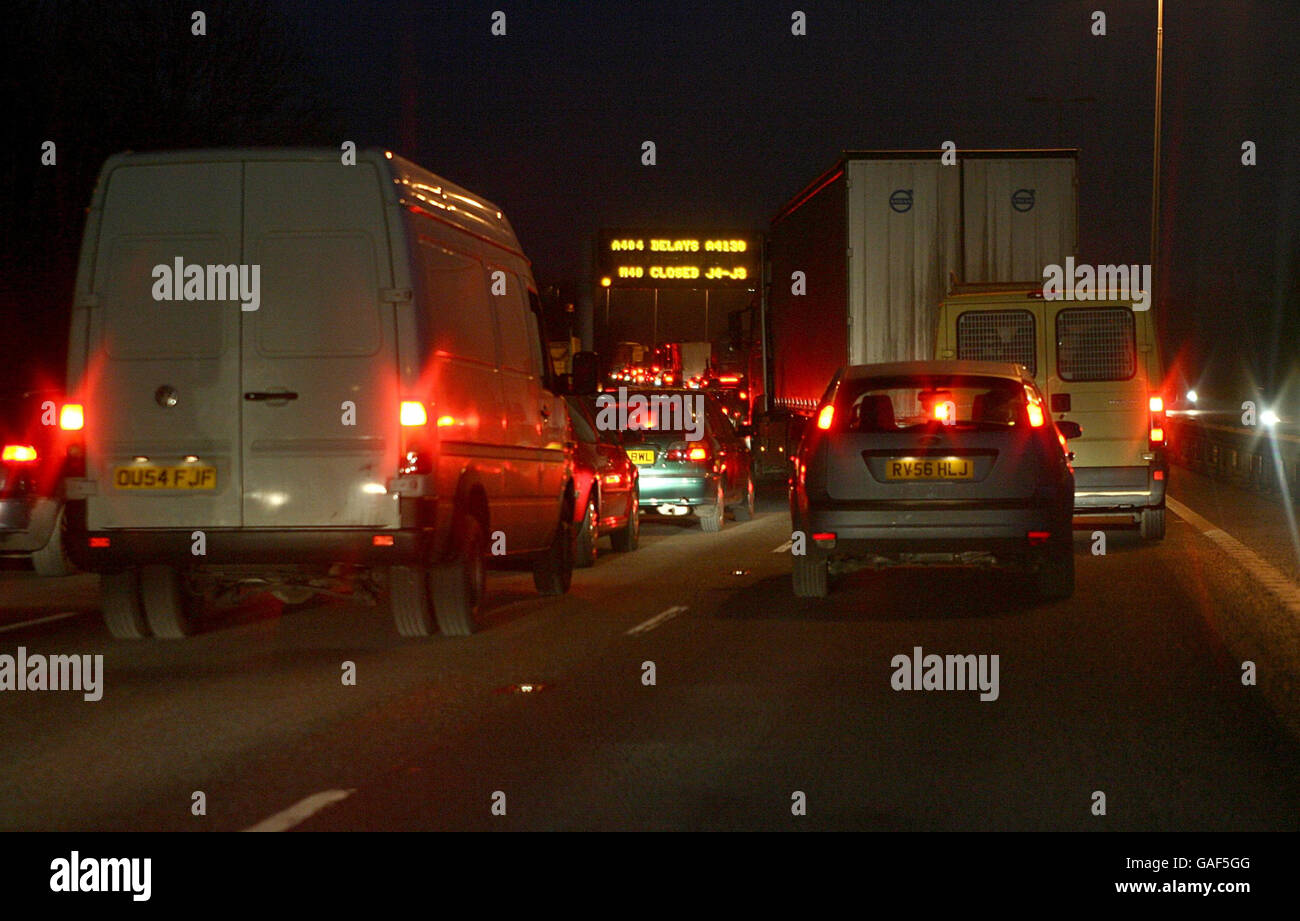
[(1152, 524), (168, 605), (408, 600), (553, 570), (120, 602), (457, 585)]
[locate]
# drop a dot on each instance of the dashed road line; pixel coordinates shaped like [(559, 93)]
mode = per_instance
[(39, 620), (1266, 574), (661, 618), (301, 811)]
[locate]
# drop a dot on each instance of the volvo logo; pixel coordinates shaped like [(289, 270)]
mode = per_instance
[(1022, 199), (901, 200)]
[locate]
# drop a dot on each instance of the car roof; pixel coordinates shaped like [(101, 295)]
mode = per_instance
[(1003, 369)]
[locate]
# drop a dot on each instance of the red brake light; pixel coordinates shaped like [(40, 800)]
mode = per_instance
[(825, 417), (1157, 404), (698, 453), (413, 413), (382, 540), (1036, 418), (1157, 435), (1038, 537), (99, 542), (18, 454), (71, 417)]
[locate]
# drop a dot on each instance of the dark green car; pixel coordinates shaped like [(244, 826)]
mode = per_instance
[(697, 463)]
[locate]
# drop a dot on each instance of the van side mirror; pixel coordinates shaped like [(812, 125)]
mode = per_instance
[(585, 378), (1069, 429)]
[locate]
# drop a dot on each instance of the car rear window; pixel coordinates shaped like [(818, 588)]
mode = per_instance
[(998, 335), (1096, 344), (898, 404)]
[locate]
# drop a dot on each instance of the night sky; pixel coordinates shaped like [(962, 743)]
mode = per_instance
[(548, 120)]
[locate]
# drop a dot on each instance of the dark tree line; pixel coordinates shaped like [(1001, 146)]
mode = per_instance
[(99, 77)]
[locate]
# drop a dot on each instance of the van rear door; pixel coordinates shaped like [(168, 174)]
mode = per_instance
[(1093, 358), (162, 376), (318, 396)]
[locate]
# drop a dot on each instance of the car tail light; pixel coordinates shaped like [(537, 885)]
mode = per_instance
[(1037, 538), (1036, 417), (1156, 404), (825, 417), (681, 451), (413, 413), (71, 417), (382, 540), (18, 454), (99, 542), (1159, 475)]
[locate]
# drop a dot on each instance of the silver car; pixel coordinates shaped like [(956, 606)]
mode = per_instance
[(934, 462)]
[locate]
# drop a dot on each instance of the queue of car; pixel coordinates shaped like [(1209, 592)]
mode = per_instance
[(374, 411)]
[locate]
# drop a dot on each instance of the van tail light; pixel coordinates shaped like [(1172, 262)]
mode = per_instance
[(415, 457), (825, 416), (1036, 417), (1156, 423), (18, 454), (413, 413), (71, 417)]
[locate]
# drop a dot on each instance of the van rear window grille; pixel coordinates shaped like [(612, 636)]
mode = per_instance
[(1096, 344), (998, 335)]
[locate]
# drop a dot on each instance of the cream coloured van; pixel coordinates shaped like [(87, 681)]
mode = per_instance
[(310, 378), (1098, 364)]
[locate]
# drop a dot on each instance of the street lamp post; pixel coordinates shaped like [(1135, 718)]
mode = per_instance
[(1155, 164)]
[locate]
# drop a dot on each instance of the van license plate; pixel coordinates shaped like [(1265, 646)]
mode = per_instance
[(939, 468), (641, 456), (187, 477)]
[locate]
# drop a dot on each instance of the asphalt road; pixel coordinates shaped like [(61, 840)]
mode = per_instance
[(1132, 688)]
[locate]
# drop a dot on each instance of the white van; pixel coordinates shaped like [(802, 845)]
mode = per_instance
[(1098, 364), (308, 377)]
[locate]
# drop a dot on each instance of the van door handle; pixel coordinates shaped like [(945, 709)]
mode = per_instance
[(256, 395)]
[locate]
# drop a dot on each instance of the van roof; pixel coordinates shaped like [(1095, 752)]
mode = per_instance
[(413, 186), (1004, 292), (937, 367)]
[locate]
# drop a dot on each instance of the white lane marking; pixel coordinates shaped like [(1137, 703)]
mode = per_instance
[(660, 618), (40, 620), (784, 547), (301, 811), (1265, 573)]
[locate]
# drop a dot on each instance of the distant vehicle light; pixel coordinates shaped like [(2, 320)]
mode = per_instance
[(605, 282), (744, 394), (1268, 417), (413, 413), (698, 454), (71, 417), (1157, 404), (613, 479), (18, 454), (1191, 396), (826, 417), (444, 421)]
